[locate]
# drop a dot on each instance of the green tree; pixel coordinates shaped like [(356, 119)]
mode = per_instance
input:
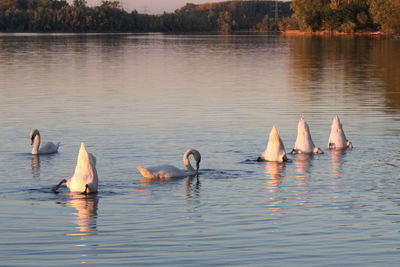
[(7, 5), (171, 22), (224, 21), (80, 3), (386, 14), (309, 13)]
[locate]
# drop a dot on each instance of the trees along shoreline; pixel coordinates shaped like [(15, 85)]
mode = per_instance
[(296, 17), (109, 16), (346, 16)]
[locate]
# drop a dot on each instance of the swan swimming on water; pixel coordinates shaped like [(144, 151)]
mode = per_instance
[(337, 138), (169, 171), (85, 178), (275, 150), (44, 147), (304, 142)]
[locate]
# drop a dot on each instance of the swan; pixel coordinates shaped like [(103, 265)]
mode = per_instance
[(42, 148), (337, 139), (85, 177), (169, 171), (304, 143), (275, 150)]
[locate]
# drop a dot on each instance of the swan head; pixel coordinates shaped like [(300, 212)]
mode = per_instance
[(33, 134), (196, 156)]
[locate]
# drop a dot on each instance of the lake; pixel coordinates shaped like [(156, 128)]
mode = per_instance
[(144, 99)]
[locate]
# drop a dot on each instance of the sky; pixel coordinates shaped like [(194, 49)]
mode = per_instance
[(153, 6)]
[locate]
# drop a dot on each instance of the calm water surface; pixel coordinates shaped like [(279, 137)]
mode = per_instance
[(145, 99)]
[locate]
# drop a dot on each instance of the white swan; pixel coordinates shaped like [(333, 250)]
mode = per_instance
[(304, 142), (337, 138), (169, 171), (42, 148), (275, 150), (85, 178)]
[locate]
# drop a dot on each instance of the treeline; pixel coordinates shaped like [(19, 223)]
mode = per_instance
[(234, 15), (60, 16), (109, 16), (345, 15), (227, 16)]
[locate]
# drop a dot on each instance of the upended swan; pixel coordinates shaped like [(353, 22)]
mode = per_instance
[(85, 178), (169, 171), (337, 138), (275, 150), (304, 142), (42, 148)]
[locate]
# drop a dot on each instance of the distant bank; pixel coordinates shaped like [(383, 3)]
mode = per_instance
[(345, 16), (295, 17), (60, 16)]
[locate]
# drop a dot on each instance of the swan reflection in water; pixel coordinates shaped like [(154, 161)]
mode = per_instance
[(35, 165), (303, 166), (145, 181), (191, 184), (85, 218), (86, 212), (274, 172), (192, 187), (337, 159), (303, 174)]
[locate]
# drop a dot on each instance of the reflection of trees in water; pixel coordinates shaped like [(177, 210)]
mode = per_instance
[(385, 57), (358, 66)]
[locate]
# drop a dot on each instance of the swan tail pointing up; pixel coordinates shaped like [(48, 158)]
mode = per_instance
[(144, 172)]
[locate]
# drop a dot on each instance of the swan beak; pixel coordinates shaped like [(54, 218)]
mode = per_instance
[(31, 141)]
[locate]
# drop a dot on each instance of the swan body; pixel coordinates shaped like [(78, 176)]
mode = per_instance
[(304, 142), (85, 177), (42, 147), (337, 138), (169, 171), (275, 150)]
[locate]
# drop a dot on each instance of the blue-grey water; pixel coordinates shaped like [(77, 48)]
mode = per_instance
[(145, 99)]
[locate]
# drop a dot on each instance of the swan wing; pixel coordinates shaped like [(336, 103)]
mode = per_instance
[(48, 147), (161, 172)]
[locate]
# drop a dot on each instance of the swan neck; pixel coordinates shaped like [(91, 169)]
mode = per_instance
[(36, 144), (187, 163)]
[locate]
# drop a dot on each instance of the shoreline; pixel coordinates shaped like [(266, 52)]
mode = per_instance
[(285, 33), (328, 33)]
